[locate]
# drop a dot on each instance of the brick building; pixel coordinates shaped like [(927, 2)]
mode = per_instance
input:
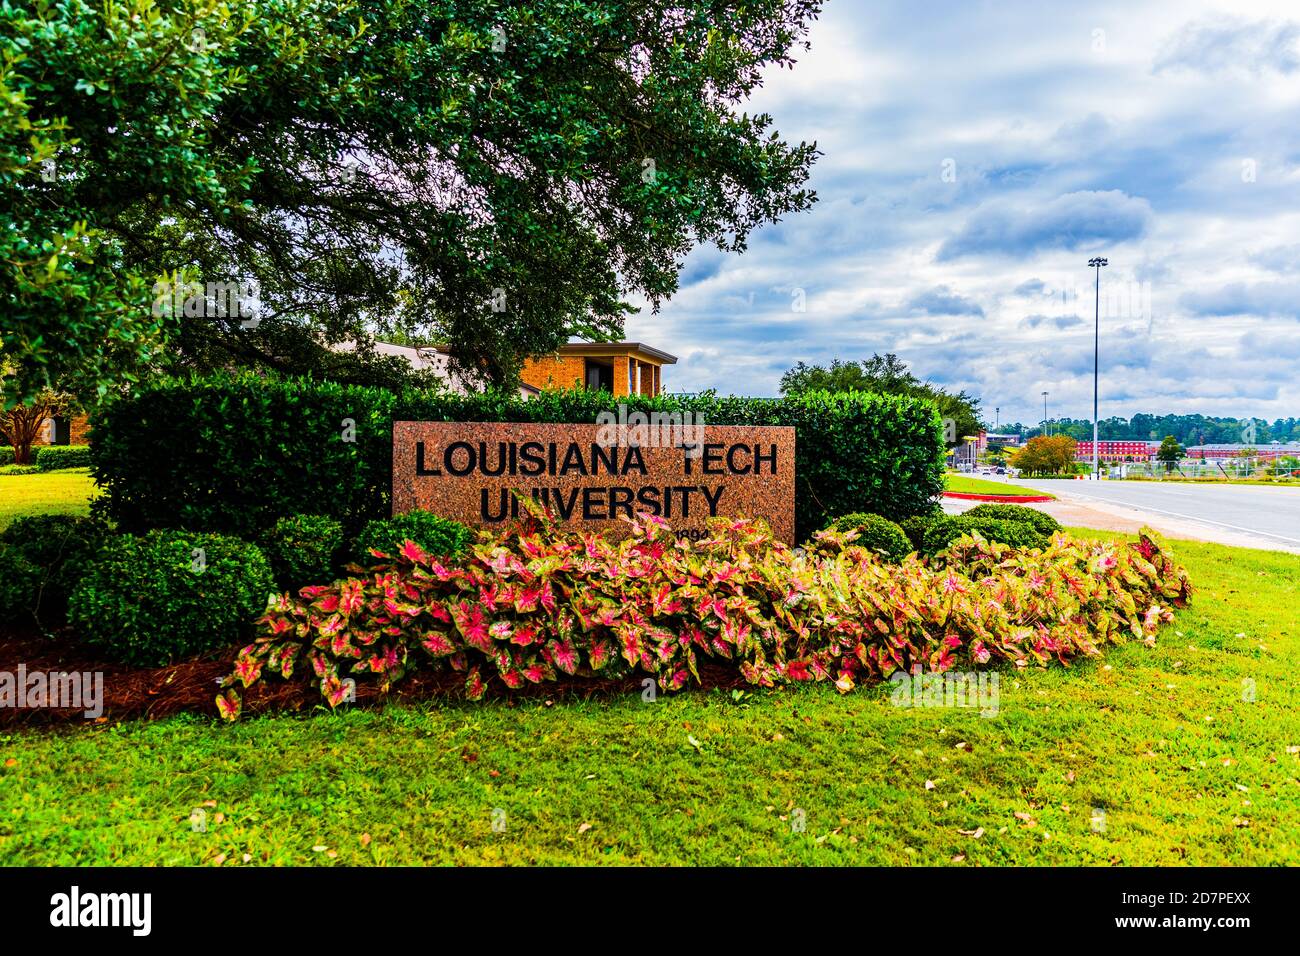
[(1117, 450), (623, 368)]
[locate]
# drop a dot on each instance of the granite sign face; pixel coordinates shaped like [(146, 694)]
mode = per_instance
[(590, 477)]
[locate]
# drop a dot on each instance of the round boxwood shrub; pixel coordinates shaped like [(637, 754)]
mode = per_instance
[(303, 549), (1045, 523), (57, 457), (19, 579), (154, 599), (876, 534), (435, 535), (946, 530), (61, 548), (916, 526)]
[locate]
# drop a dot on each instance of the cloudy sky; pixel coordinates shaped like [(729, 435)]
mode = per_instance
[(976, 155)]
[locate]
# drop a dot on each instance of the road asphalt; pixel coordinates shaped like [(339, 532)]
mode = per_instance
[(1240, 515)]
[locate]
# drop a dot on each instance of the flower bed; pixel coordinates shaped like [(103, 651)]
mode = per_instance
[(530, 605)]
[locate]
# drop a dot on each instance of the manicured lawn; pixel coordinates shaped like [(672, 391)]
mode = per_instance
[(51, 492), (966, 485), (1165, 740)]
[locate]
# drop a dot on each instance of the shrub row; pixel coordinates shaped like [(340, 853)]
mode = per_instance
[(530, 605), (152, 599), (931, 534), (42, 558), (232, 454), (877, 534), (51, 457), (58, 457)]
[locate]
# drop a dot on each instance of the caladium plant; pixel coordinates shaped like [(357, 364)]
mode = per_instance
[(536, 602)]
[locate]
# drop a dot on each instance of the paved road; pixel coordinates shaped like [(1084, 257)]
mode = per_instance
[(1267, 514)]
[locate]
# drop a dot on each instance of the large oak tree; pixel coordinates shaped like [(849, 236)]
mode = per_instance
[(499, 176)]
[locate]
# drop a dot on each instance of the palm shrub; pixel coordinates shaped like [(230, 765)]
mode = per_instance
[(157, 598)]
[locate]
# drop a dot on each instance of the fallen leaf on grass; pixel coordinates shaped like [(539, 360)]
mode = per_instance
[(365, 839), (584, 828), (959, 858), (1025, 818), (975, 834), (929, 785)]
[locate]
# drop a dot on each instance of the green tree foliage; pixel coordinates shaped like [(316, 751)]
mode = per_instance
[(1046, 455), (887, 375), (1188, 429), (501, 175), (1170, 452)]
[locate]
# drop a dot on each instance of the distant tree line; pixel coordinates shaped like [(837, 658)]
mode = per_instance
[(1186, 429)]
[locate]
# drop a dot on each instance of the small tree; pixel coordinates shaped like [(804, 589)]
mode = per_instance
[(1046, 455), (1170, 452), (21, 425)]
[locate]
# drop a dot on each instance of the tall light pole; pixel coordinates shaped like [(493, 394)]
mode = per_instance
[(997, 418), (1096, 264), (1044, 413)]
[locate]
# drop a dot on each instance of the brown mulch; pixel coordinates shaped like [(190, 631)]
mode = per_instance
[(148, 693)]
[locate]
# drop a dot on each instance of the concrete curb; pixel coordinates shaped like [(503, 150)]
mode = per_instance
[(1000, 499)]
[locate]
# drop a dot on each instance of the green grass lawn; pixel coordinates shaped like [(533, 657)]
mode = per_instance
[(966, 485), (1190, 763), (51, 492)]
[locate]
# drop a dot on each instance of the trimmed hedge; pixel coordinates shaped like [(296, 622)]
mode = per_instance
[(439, 536), (915, 528), (154, 599), (1045, 523), (59, 549), (58, 457), (233, 454), (944, 531), (19, 579), (303, 549), (6, 454), (876, 534)]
